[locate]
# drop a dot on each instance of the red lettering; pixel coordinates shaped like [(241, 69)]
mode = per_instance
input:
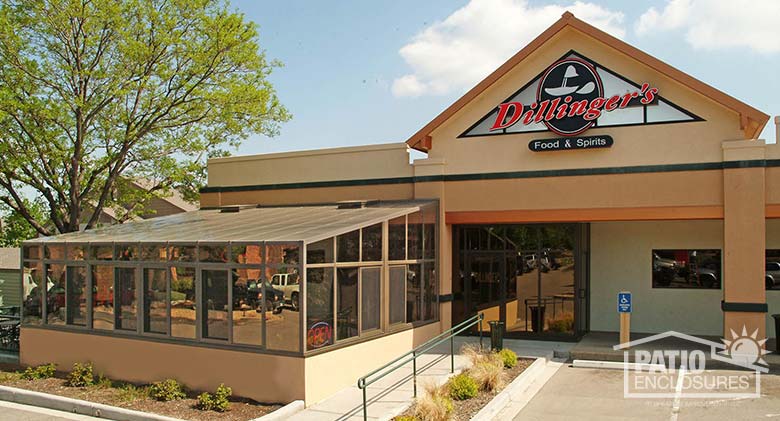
[(612, 103), (626, 99), (503, 110), (578, 108), (561, 111), (540, 112), (594, 111), (649, 96), (551, 112)]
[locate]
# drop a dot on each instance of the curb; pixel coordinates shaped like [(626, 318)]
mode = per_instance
[(284, 412), (521, 383), (613, 365), (76, 406)]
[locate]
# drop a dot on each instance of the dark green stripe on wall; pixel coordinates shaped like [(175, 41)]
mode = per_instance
[(702, 166)]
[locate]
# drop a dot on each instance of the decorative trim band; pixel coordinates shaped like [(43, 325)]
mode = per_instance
[(744, 307)]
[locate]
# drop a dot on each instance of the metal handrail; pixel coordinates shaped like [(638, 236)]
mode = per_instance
[(412, 355)]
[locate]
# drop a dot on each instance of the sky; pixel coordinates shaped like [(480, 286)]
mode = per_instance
[(366, 72)]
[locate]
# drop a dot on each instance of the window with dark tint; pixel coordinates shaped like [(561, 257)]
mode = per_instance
[(105, 252), (154, 253), (55, 294), (772, 275), (415, 236), (182, 253), (127, 309), (348, 247), (183, 302), (319, 307), (32, 284), (32, 252), (282, 254), (283, 329), (397, 294), (370, 304), (686, 269), (76, 296), (76, 252), (54, 252), (320, 252), (103, 297), (248, 297), (397, 238), (429, 232), (413, 293), (155, 301), (429, 291), (372, 243), (213, 254), (126, 252), (215, 304), (347, 303)]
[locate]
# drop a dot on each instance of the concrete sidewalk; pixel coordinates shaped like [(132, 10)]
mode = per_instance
[(393, 394)]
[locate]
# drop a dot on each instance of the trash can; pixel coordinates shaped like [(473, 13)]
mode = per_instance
[(537, 317), (777, 332), (496, 335)]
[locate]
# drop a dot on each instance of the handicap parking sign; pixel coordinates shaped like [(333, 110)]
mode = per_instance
[(624, 302)]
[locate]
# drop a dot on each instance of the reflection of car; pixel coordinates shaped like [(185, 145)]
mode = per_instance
[(707, 278), (772, 275), (262, 290), (290, 286), (664, 270)]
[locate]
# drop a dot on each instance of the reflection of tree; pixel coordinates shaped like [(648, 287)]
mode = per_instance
[(319, 295)]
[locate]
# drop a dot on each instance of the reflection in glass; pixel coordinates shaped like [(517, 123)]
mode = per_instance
[(31, 252), (397, 238), (55, 294), (413, 293), (76, 252), (213, 254), (372, 243), (429, 291), (183, 302), (348, 247), (319, 307), (32, 285), (127, 310), (686, 269), (247, 254), (278, 254), (772, 275), (347, 303), (125, 252), (155, 301), (54, 251), (215, 304), (76, 296), (415, 236), (103, 297), (370, 302), (283, 332), (429, 232), (104, 252), (154, 253), (397, 294), (182, 253), (557, 278), (320, 251), (248, 296)]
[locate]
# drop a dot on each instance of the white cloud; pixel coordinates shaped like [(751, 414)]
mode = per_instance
[(718, 24), (459, 51)]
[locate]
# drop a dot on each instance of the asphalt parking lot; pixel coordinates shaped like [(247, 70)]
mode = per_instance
[(598, 394)]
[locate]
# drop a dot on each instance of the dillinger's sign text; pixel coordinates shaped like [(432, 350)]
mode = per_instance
[(569, 99), (567, 143)]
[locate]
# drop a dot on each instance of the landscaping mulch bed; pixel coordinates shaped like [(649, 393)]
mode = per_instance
[(127, 396), (465, 409)]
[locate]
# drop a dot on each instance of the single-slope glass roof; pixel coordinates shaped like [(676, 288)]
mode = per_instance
[(248, 224)]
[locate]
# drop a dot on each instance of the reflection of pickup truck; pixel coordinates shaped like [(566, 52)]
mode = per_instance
[(290, 285), (772, 276)]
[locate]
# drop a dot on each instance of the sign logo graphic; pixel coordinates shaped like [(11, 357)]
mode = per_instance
[(569, 100), (319, 335)]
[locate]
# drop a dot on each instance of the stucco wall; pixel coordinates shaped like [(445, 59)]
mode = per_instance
[(621, 259)]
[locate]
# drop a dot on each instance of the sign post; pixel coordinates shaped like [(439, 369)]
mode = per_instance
[(624, 309)]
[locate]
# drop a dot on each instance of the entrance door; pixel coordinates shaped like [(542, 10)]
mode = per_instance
[(527, 276)]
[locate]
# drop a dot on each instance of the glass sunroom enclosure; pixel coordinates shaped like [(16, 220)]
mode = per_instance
[(285, 280)]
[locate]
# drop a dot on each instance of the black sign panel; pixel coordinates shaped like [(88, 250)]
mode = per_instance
[(567, 143)]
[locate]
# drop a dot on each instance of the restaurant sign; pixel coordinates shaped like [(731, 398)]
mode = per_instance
[(573, 95), (569, 143)]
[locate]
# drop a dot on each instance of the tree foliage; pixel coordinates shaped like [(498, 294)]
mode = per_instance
[(93, 92), (16, 228)]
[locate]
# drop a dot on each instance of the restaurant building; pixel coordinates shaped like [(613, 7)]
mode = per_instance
[(579, 168)]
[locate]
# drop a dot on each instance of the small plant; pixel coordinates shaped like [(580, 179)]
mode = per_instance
[(434, 405), (489, 373), (462, 387), (509, 357), (130, 393), (81, 376), (216, 402), (103, 382), (562, 324), (44, 371), (167, 390), (405, 418), (473, 353)]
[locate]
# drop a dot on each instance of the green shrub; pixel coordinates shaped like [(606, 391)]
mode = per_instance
[(103, 382), (81, 376), (167, 390), (509, 357), (462, 387), (130, 393), (44, 371), (216, 402)]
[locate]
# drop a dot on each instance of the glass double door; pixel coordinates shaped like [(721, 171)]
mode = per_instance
[(531, 277)]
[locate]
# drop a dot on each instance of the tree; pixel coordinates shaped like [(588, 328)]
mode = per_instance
[(17, 229), (93, 92)]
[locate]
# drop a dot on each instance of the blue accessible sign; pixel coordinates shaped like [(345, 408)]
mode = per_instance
[(624, 302)]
